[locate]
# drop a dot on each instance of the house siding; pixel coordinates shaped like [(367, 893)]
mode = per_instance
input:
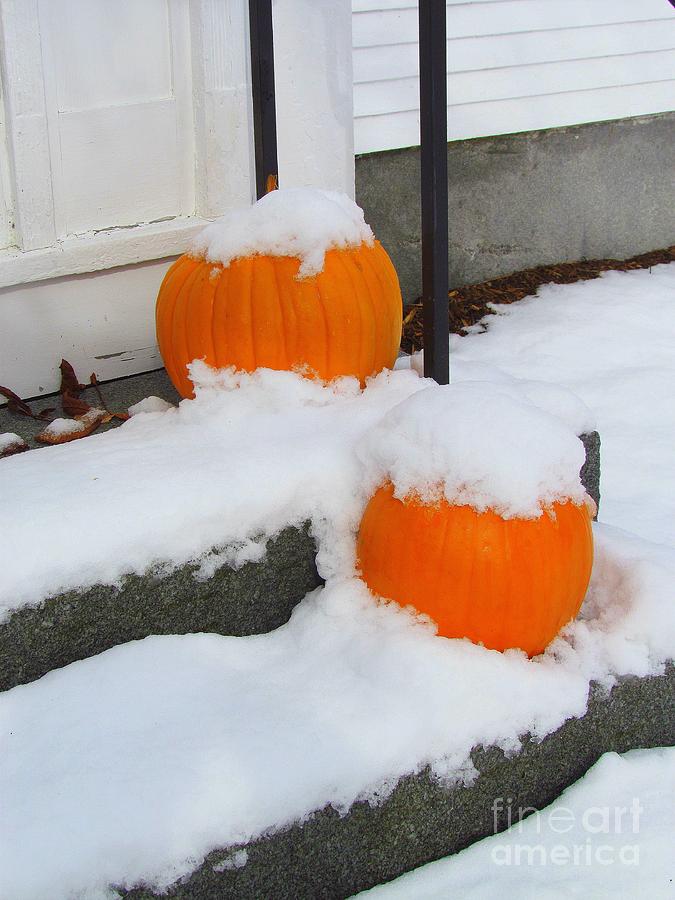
[(513, 66)]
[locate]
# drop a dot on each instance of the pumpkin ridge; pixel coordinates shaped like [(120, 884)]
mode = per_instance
[(366, 361), (252, 267), (537, 618), (441, 554), (326, 369), (289, 320), (185, 313), (345, 263), (380, 303), (282, 317), (219, 317), (385, 269), (199, 335), (169, 291), (179, 341), (378, 300), (471, 528), (212, 324)]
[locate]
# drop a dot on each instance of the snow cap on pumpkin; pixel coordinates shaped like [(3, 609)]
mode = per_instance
[(298, 222), (477, 444)]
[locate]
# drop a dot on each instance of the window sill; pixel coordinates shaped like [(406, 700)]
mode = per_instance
[(97, 251)]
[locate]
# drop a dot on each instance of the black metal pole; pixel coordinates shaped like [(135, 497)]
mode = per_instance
[(264, 106), (434, 188)]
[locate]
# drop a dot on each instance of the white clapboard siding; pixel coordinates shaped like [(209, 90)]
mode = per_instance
[(117, 78), (513, 65), (478, 86), (564, 44)]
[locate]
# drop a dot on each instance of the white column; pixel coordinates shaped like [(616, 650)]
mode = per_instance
[(313, 73)]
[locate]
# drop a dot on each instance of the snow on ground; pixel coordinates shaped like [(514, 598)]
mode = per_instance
[(610, 836), (611, 341), (201, 741)]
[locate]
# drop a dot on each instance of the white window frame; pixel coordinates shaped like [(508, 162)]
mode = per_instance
[(223, 153)]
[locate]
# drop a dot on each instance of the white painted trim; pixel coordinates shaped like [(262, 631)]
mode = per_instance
[(102, 250), (27, 121), (7, 238), (179, 30), (223, 117)]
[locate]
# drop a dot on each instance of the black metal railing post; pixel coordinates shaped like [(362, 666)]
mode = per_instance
[(264, 104), (434, 187)]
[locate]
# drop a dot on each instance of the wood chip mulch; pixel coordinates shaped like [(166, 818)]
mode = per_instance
[(467, 305)]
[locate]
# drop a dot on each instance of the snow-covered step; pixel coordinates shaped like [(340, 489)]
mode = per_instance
[(160, 526), (611, 834), (346, 747), (235, 597), (251, 598), (335, 855)]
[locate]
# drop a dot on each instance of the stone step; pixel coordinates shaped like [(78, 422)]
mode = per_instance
[(253, 599), (335, 856)]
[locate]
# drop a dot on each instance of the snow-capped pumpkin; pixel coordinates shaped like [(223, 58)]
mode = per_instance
[(295, 282), (501, 582)]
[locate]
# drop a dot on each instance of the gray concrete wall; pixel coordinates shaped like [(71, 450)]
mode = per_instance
[(522, 200)]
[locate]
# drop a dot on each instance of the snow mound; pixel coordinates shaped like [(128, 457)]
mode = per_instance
[(8, 439), (298, 222), (150, 404), (479, 444), (552, 398)]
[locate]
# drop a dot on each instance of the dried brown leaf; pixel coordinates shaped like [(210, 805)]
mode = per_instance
[(82, 426), (18, 446), (15, 404), (93, 380), (73, 405), (69, 381)]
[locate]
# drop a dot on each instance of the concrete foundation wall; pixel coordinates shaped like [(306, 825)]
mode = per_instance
[(536, 198)]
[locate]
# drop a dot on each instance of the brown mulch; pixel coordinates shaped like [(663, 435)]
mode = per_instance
[(468, 304)]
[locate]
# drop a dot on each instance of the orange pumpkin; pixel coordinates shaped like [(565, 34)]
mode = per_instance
[(500, 582), (256, 312)]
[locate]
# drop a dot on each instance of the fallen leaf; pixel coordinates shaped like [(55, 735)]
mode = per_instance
[(73, 405), (93, 380), (61, 431), (19, 407), (10, 444), (16, 404), (69, 381), (122, 416)]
